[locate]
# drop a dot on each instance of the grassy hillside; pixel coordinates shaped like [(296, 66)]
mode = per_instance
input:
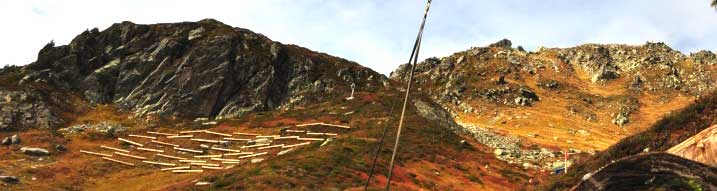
[(667, 132)]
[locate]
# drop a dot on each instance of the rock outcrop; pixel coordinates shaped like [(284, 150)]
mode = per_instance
[(193, 69), (20, 109)]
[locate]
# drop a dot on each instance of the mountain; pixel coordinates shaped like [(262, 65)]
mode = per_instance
[(202, 69), (582, 99), (132, 79), (672, 132)]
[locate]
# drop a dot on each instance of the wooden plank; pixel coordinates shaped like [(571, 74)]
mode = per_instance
[(226, 150), (331, 134), (271, 146), (151, 150), (188, 150), (287, 137), (235, 139), (170, 156), (164, 143), (130, 142), (267, 136), (253, 155), (257, 145), (114, 149), (205, 140), (324, 124), (310, 133), (192, 131), (177, 168), (94, 153), (295, 131), (212, 167), (207, 156), (142, 136), (217, 133), (186, 171), (192, 161), (118, 161), (310, 139), (247, 134), (159, 163), (164, 134), (230, 162), (241, 153), (180, 136), (296, 145), (223, 159), (203, 164), (131, 156)]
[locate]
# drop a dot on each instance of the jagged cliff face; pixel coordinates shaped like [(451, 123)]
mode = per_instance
[(584, 97), (194, 69)]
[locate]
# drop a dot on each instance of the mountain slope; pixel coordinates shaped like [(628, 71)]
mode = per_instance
[(130, 79), (665, 134), (202, 69)]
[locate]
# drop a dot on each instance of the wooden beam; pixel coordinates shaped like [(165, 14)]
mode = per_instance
[(151, 150), (188, 150), (203, 164), (192, 161), (118, 161), (253, 155), (241, 153), (130, 142), (324, 124), (170, 156), (310, 139), (226, 150), (176, 168), (310, 133), (180, 136), (164, 143), (159, 163), (235, 139), (186, 171), (271, 146), (267, 136), (114, 149), (223, 159), (192, 131), (164, 134), (287, 137), (131, 156), (217, 133), (205, 140), (230, 162), (257, 145), (296, 145), (331, 134), (295, 131), (94, 153), (247, 134), (142, 136), (207, 156), (212, 167)]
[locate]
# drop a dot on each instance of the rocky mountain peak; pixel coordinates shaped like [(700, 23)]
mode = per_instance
[(204, 68)]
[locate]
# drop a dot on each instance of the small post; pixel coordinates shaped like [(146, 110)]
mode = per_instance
[(566, 162)]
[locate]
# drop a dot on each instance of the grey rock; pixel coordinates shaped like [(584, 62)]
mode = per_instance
[(34, 151), (256, 160), (10, 179), (60, 148), (106, 128), (15, 139), (505, 43)]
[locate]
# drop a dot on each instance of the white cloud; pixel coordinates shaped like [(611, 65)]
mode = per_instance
[(377, 34)]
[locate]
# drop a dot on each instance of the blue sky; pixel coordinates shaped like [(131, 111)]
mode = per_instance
[(378, 33)]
